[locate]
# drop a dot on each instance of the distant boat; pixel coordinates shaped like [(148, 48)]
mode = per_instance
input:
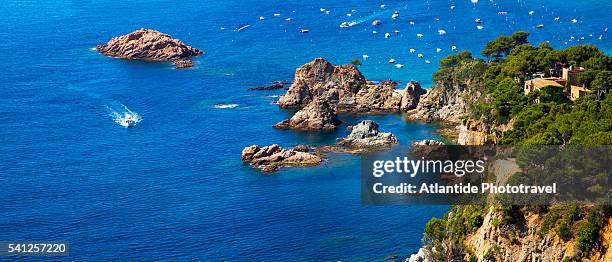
[(502, 13), (479, 27), (365, 57), (478, 20), (574, 20), (420, 56), (396, 32), (261, 18), (276, 14), (453, 48), (438, 50), (531, 12), (557, 18), (441, 32), (399, 65), (387, 35), (412, 50), (419, 35), (540, 26), (391, 61), (427, 62), (242, 27), (411, 22), (395, 15), (128, 120), (474, 2), (304, 31), (374, 32), (376, 22)]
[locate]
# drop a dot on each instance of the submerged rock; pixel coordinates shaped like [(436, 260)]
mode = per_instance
[(365, 135), (271, 158), (149, 45), (179, 64), (317, 115)]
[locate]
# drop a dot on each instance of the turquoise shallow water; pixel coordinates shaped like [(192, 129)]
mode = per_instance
[(174, 187)]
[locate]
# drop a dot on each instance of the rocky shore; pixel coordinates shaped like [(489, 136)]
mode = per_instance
[(150, 45), (270, 158)]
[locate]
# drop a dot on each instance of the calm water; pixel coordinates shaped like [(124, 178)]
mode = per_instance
[(174, 187)]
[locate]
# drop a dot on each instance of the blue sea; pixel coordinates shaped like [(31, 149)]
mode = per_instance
[(174, 187)]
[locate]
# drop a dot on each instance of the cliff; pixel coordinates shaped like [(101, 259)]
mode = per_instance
[(453, 93), (494, 232)]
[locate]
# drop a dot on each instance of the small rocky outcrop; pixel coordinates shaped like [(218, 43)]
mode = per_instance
[(271, 158), (317, 115), (180, 64), (150, 45), (345, 88), (274, 86), (365, 135)]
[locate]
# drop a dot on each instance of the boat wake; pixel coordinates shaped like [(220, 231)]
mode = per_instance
[(225, 106), (125, 117), (366, 18)]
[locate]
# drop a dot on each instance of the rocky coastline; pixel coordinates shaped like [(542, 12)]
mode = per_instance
[(150, 45)]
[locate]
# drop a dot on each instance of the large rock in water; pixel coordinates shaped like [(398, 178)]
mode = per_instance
[(149, 45), (411, 96), (320, 78), (270, 158), (317, 115), (365, 135), (345, 88)]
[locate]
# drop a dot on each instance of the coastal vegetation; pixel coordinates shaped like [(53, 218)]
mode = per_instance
[(547, 116)]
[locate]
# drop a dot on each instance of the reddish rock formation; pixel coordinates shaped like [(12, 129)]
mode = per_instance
[(345, 88), (319, 78), (317, 115), (270, 158), (411, 96), (149, 45)]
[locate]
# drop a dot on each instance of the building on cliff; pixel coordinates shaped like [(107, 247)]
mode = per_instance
[(569, 77)]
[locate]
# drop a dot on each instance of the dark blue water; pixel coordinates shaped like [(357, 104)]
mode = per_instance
[(174, 187)]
